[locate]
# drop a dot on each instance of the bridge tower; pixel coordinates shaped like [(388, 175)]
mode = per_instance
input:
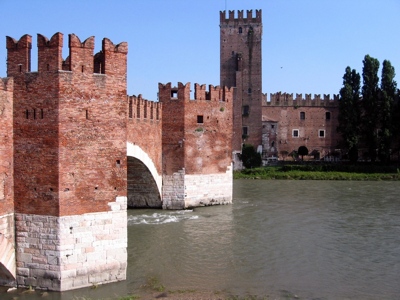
[(196, 146), (69, 162), (240, 67)]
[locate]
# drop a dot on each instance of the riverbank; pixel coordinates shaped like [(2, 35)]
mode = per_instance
[(321, 172)]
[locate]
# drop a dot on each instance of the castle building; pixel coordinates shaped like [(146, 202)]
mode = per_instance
[(278, 127), (289, 123)]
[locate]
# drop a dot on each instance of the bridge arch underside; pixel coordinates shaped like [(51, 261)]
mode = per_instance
[(7, 262), (142, 188)]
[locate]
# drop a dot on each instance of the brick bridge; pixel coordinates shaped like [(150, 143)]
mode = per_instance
[(76, 151)]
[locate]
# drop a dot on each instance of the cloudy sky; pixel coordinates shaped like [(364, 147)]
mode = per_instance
[(307, 44)]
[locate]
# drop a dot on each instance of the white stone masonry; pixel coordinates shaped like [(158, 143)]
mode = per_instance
[(63, 253)]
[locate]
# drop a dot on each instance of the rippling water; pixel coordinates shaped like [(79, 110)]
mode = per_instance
[(312, 239)]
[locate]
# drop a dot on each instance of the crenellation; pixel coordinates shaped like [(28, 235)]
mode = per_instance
[(114, 58), (250, 18), (286, 99), (6, 84), (50, 52), (81, 58), (18, 55), (140, 108)]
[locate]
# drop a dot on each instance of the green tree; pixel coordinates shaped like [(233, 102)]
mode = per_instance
[(386, 111), (303, 150), (250, 157), (350, 113), (370, 104)]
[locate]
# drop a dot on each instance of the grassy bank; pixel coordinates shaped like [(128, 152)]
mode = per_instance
[(321, 172)]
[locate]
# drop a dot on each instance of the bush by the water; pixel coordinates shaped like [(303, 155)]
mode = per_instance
[(250, 157), (322, 172)]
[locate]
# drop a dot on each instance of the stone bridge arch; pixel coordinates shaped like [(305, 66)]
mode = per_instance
[(7, 261), (144, 181)]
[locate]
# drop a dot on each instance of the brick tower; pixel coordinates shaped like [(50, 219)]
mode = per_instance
[(240, 67), (197, 149), (69, 162)]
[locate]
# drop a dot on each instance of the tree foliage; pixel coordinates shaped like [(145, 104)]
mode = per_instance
[(368, 118), (370, 94), (250, 157), (386, 104), (350, 113)]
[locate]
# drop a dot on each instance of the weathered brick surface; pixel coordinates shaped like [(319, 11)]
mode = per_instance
[(69, 159), (6, 147), (197, 140), (240, 67)]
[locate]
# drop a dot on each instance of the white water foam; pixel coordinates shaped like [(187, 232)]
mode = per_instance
[(158, 218)]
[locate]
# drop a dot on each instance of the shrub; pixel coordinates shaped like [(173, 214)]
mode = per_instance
[(250, 157)]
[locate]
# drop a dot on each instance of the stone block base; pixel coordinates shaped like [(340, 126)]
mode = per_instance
[(182, 190), (70, 252)]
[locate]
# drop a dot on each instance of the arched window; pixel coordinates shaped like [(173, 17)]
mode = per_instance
[(240, 30)]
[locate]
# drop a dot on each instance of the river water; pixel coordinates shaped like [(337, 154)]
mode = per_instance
[(279, 239)]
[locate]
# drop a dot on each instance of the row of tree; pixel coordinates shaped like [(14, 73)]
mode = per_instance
[(369, 115)]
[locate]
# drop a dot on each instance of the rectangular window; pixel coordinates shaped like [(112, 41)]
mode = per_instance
[(245, 110), (327, 115), (295, 133), (245, 131), (200, 119), (302, 115), (321, 133)]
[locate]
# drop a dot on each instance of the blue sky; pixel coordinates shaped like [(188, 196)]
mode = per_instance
[(307, 44)]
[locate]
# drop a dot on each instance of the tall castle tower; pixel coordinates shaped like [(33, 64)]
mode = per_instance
[(240, 67)]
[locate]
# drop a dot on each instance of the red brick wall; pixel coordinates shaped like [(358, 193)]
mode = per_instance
[(287, 116), (6, 146), (144, 127), (197, 134), (173, 125), (70, 153), (35, 132)]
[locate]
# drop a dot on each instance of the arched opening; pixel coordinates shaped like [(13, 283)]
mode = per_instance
[(142, 188), (7, 261)]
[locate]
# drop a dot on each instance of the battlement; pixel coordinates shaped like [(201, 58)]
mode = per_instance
[(240, 19), (6, 84), (140, 108), (182, 92), (286, 99), (110, 60), (18, 55)]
